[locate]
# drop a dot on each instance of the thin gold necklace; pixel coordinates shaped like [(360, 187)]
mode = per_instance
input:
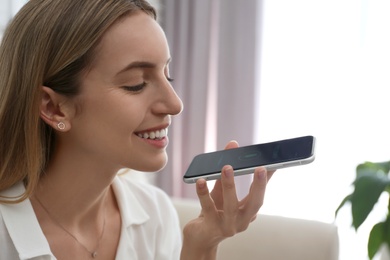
[(93, 253)]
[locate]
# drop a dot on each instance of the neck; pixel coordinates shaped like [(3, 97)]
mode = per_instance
[(71, 212), (83, 234), (76, 191), (75, 199)]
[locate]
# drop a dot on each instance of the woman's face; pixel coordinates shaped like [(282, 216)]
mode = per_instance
[(126, 98)]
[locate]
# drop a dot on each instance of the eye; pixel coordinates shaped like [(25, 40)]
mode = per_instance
[(136, 88)]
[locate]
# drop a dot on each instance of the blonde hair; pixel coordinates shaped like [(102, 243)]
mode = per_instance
[(48, 43)]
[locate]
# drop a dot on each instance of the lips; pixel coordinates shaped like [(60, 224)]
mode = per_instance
[(154, 135)]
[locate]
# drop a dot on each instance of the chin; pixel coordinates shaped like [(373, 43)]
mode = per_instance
[(154, 166), (155, 169)]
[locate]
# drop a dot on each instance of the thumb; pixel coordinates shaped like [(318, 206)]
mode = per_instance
[(231, 144)]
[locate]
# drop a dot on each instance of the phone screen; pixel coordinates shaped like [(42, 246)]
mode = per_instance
[(295, 149)]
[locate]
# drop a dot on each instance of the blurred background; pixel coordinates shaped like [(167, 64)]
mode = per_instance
[(258, 71)]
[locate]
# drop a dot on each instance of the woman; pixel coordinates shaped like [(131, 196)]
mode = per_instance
[(84, 92)]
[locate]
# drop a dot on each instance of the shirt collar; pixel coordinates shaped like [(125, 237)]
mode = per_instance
[(23, 226), (132, 212), (27, 235)]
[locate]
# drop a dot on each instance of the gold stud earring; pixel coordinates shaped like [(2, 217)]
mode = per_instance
[(61, 126)]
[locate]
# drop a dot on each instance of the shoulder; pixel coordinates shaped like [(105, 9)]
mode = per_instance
[(20, 232), (8, 250)]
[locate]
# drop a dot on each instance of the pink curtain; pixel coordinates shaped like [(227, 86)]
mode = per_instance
[(214, 47)]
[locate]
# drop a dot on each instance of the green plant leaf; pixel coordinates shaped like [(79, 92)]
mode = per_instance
[(376, 239), (372, 168), (345, 200), (367, 190), (386, 235)]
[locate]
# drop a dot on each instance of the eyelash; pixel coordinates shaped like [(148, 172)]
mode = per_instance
[(170, 79), (141, 86), (136, 88)]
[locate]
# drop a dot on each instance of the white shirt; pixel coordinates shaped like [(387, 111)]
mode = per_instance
[(150, 226)]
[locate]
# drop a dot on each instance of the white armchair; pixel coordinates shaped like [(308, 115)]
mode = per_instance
[(273, 237)]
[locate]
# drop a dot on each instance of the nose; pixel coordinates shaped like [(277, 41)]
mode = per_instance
[(169, 102)]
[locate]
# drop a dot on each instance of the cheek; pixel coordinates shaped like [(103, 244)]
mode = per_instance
[(112, 110), (111, 117)]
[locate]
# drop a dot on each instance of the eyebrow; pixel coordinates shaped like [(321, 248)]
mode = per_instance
[(140, 65)]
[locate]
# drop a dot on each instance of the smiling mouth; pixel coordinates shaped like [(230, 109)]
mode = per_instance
[(154, 135)]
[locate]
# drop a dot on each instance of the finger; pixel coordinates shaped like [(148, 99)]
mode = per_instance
[(205, 200), (243, 201), (232, 144), (270, 174), (255, 198), (216, 194), (230, 205), (253, 218)]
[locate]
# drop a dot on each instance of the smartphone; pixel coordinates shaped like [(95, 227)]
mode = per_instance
[(273, 155)]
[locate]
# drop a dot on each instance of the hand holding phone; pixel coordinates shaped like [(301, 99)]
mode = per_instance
[(272, 155)]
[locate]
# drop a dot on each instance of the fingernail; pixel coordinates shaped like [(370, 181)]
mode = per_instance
[(229, 171), (201, 183), (261, 174)]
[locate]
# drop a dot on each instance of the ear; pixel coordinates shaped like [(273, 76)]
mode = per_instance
[(53, 111)]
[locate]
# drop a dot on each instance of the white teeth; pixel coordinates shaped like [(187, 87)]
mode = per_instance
[(159, 134)]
